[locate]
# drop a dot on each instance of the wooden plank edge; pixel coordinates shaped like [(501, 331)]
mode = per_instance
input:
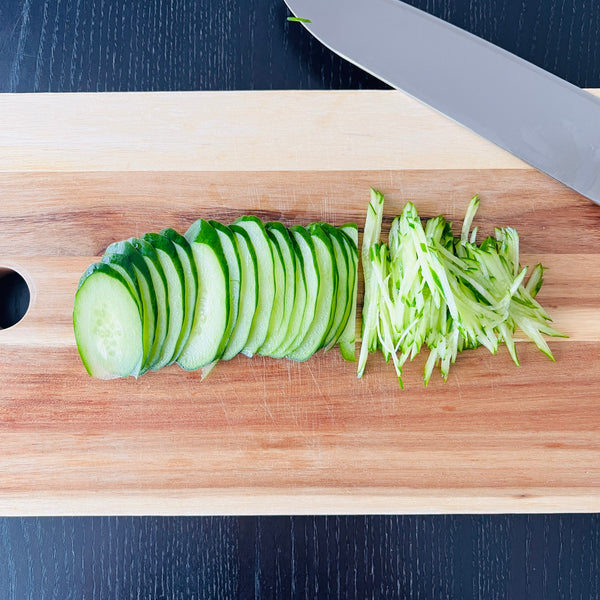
[(247, 501), (242, 131)]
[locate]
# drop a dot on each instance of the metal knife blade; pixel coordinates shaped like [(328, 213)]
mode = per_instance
[(542, 119)]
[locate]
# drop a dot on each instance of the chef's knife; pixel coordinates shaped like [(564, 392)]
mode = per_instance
[(544, 120)]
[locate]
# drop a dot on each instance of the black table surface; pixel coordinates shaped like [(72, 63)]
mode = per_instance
[(111, 45)]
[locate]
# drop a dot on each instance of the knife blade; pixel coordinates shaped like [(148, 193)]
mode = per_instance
[(540, 118)]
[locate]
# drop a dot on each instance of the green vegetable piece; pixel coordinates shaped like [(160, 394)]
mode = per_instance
[(428, 288), (108, 324), (371, 235)]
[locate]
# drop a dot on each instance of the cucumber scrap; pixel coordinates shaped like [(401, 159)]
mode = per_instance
[(426, 287), (215, 292)]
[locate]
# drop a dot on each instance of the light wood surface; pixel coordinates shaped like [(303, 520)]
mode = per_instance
[(261, 436)]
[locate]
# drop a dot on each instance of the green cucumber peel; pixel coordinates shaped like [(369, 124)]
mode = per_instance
[(281, 317), (343, 299), (175, 284), (347, 339), (190, 278), (159, 283), (266, 282), (326, 278), (229, 247), (248, 293), (307, 258)]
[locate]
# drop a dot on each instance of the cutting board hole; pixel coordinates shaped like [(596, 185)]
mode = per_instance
[(14, 297)]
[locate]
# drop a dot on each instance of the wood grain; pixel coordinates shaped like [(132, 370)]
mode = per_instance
[(88, 46), (333, 557), (153, 45), (216, 131), (265, 436)]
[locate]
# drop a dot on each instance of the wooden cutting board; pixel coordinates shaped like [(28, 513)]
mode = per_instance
[(261, 436)]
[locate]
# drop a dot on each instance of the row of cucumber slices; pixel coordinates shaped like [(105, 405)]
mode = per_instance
[(250, 287)]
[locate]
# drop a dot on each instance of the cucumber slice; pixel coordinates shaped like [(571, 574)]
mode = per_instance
[(327, 275), (173, 271), (206, 341), (229, 246), (190, 276), (266, 282), (248, 288), (342, 301), (147, 294), (347, 340), (306, 250), (276, 323), (370, 312), (159, 282), (108, 324), (123, 265), (286, 289), (299, 303), (248, 293)]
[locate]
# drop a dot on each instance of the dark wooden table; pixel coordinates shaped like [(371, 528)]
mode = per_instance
[(106, 45)]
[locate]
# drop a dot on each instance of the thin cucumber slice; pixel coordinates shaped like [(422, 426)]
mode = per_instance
[(306, 250), (276, 323), (206, 341), (248, 293), (147, 294), (266, 282), (347, 340), (190, 276), (173, 270), (324, 307), (123, 265), (447, 293), (159, 282), (343, 300), (108, 324), (370, 311), (280, 237), (296, 318), (229, 246)]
